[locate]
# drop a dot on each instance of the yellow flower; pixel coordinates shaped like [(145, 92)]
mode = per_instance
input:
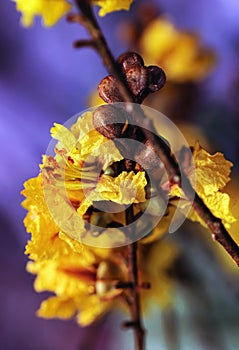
[(84, 284), (127, 188), (212, 174), (178, 53), (86, 280), (84, 172), (50, 10), (72, 181), (39, 220), (108, 6), (76, 177)]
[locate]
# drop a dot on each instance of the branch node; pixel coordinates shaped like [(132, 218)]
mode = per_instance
[(78, 44), (129, 324), (124, 285), (74, 18)]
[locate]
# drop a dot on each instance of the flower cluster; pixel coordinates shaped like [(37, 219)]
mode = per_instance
[(51, 11), (86, 280)]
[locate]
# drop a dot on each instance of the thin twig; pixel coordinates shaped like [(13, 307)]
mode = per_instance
[(79, 44), (136, 323), (88, 20), (134, 300)]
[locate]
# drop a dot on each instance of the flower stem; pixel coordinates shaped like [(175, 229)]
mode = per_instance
[(88, 20), (136, 324)]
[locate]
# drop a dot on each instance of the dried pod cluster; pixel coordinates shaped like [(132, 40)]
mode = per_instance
[(116, 124), (141, 80)]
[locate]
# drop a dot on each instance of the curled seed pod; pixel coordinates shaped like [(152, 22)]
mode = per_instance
[(137, 79), (156, 78), (124, 148), (109, 121), (146, 157), (109, 91), (128, 60)]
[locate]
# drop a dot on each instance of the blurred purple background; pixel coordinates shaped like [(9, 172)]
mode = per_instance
[(44, 80)]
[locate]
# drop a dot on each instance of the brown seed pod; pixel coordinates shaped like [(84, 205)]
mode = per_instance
[(137, 78), (109, 91), (109, 121), (128, 60), (156, 78), (141, 80)]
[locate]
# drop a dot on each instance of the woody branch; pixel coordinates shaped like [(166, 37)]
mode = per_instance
[(214, 224)]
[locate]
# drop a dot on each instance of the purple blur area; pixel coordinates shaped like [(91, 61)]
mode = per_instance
[(44, 80)]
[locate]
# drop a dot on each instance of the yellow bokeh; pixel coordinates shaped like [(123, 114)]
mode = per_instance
[(179, 53), (49, 10)]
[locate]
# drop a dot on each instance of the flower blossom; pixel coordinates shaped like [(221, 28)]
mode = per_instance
[(51, 11), (108, 6), (179, 53), (86, 280), (211, 176)]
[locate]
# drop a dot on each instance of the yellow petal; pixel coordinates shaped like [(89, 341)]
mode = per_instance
[(91, 145), (126, 188), (64, 136), (67, 276), (57, 307), (212, 171), (45, 242), (108, 6), (88, 309), (50, 10), (212, 174), (91, 309), (219, 204)]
